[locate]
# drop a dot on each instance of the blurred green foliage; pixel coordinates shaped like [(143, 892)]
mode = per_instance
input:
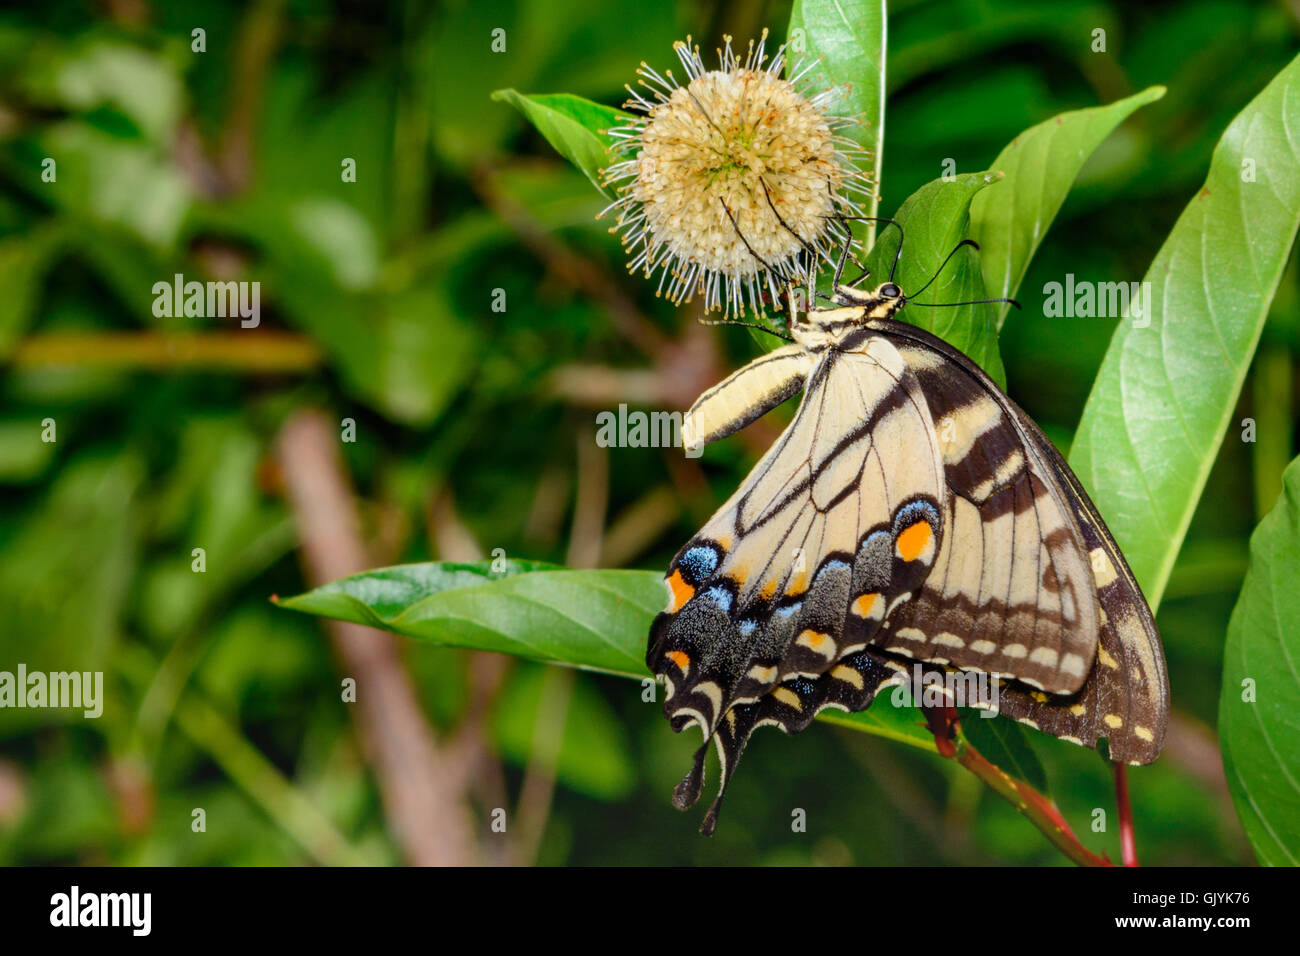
[(227, 164)]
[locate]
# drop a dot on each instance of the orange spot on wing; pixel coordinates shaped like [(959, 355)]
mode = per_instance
[(863, 605), (680, 658), (769, 589), (812, 639), (679, 592), (798, 584), (913, 541)]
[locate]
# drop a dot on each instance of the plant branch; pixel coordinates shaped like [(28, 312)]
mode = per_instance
[(574, 269), (259, 37), (591, 498), (251, 352), (422, 795), (470, 750), (258, 777)]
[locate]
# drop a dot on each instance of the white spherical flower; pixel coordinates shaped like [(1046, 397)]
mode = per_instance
[(734, 183)]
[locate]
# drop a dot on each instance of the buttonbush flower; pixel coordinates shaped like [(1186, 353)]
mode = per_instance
[(730, 184)]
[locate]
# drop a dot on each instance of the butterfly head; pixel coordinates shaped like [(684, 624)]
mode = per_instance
[(886, 300), (882, 302)]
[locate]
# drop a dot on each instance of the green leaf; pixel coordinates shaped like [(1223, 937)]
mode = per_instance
[(1004, 744), (903, 725), (934, 219), (1162, 401), (849, 38), (426, 350), (375, 597), (945, 38), (576, 127), (1040, 166), (593, 620), (86, 528), (23, 456), (1258, 735), (94, 72)]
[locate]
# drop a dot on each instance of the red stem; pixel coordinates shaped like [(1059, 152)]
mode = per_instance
[(1127, 840), (1036, 807)]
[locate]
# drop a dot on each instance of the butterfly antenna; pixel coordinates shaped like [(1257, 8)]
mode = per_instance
[(781, 276), (897, 252), (761, 261), (844, 256), (748, 325), (931, 305), (937, 305), (965, 242), (813, 253)]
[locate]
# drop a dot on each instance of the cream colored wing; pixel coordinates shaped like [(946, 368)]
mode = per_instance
[(841, 519), (746, 394), (1012, 591), (1101, 669)]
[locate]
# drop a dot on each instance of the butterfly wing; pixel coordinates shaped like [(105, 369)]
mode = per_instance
[(910, 510), (1126, 696), (747, 394), (1012, 590), (1108, 679), (851, 685), (839, 520)]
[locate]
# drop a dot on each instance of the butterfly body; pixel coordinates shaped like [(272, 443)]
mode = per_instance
[(910, 513)]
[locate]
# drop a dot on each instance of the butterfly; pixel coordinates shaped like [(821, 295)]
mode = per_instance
[(910, 514)]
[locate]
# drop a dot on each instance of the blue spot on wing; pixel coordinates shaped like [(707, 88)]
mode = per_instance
[(871, 539), (916, 511), (699, 563), (746, 627), (832, 563), (719, 596)]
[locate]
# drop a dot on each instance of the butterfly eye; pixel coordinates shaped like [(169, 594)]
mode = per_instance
[(890, 291)]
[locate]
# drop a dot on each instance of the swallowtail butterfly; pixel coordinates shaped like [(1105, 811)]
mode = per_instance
[(911, 512)]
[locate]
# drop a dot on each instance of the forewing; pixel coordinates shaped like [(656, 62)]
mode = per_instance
[(1116, 686), (840, 519), (1012, 590), (746, 394)]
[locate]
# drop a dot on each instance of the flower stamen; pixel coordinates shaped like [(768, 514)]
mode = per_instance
[(732, 185)]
